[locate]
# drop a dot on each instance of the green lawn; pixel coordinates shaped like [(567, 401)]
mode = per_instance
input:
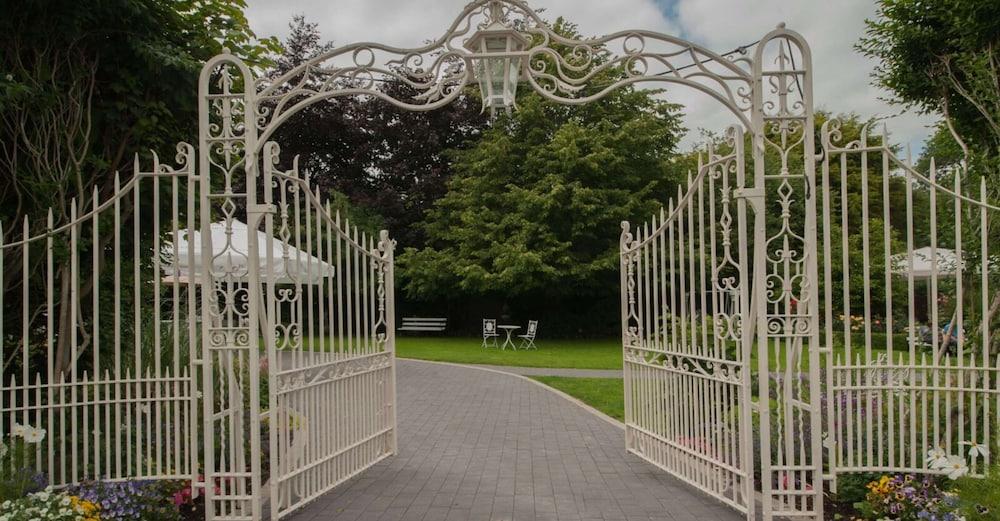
[(575, 354), (604, 394)]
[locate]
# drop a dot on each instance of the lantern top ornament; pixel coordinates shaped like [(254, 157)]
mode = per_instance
[(494, 27)]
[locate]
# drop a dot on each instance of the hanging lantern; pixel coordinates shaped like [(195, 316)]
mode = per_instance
[(496, 63)]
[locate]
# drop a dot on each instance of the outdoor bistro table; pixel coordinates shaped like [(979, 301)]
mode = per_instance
[(509, 330)]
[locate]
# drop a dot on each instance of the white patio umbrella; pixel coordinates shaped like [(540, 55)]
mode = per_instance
[(299, 266), (923, 268)]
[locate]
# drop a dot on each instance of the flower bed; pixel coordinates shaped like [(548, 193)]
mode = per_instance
[(25, 497)]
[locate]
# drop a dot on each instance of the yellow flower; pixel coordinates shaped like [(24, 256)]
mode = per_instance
[(881, 487), (88, 509)]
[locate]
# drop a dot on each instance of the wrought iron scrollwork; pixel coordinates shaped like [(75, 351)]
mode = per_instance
[(438, 71)]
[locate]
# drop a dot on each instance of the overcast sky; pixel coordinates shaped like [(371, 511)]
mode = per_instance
[(842, 80)]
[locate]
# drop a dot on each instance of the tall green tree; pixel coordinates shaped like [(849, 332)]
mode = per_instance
[(943, 57), (83, 87), (533, 211)]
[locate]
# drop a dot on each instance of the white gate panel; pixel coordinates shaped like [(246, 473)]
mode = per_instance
[(97, 350), (330, 342), (911, 374), (686, 356)]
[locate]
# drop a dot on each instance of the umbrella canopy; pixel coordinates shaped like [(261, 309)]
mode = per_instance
[(923, 267), (290, 264)]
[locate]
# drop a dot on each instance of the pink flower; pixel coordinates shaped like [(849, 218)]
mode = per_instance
[(183, 496)]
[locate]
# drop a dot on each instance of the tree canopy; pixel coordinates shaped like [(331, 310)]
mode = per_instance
[(535, 205), (85, 85), (388, 161), (943, 57)]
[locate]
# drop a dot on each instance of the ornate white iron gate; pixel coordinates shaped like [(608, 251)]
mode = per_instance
[(99, 340), (701, 301), (687, 361), (332, 387)]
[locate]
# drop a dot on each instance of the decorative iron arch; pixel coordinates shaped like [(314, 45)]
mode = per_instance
[(441, 69)]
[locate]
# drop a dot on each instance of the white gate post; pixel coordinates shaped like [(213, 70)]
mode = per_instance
[(230, 297), (627, 299), (388, 251), (785, 280)]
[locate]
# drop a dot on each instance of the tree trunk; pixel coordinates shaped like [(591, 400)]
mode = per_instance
[(64, 330)]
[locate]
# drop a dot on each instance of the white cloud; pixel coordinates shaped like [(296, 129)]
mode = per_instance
[(841, 75)]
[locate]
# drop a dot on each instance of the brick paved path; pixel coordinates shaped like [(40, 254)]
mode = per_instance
[(478, 445)]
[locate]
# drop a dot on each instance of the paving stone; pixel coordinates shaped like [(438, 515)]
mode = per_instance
[(478, 445)]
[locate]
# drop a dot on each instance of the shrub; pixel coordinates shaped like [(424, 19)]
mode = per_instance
[(979, 499)]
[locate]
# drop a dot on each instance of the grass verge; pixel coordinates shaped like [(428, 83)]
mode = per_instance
[(604, 394)]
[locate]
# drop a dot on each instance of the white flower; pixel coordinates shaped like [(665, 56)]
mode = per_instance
[(936, 458), (18, 430), (976, 449), (34, 435), (956, 467), (3, 449)]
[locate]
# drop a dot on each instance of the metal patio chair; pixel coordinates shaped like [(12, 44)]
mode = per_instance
[(490, 332), (528, 338)]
